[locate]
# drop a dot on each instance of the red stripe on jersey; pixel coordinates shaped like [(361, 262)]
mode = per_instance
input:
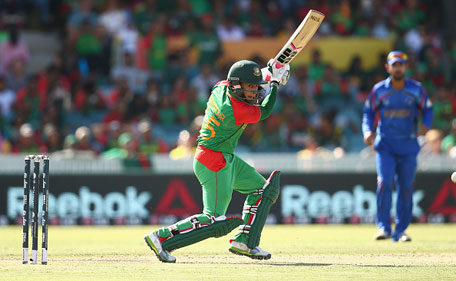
[(384, 96), (422, 99), (213, 160), (243, 112), (373, 102)]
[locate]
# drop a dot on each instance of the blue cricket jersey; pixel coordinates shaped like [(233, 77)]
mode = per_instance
[(399, 110)]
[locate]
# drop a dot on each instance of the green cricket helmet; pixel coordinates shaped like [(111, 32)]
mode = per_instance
[(246, 71)]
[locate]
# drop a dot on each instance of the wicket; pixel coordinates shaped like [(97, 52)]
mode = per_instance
[(35, 181)]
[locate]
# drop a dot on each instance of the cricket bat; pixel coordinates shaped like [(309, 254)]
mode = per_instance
[(297, 41)]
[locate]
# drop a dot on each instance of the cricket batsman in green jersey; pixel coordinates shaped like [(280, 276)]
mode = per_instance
[(234, 103)]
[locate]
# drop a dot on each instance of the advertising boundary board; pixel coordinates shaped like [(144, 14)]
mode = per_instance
[(163, 199)]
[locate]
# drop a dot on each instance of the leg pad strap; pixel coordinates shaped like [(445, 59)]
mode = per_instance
[(217, 229)]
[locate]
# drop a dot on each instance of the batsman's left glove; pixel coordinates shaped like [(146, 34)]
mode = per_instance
[(280, 73)]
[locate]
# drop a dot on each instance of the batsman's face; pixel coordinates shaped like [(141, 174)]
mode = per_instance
[(397, 70), (249, 90)]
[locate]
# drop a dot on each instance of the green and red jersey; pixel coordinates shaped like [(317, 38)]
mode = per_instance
[(227, 117)]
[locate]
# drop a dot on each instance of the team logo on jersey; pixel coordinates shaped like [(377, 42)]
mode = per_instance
[(256, 71), (386, 102), (409, 100)]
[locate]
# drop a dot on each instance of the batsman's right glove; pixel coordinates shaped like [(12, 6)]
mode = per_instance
[(280, 73)]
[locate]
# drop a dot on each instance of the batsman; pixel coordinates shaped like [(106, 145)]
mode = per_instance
[(233, 104)]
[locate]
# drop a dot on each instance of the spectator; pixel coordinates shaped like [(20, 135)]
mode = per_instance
[(272, 138), (82, 13), (124, 141), (204, 81), (83, 141), (121, 93), (88, 99), (5, 145), (298, 129), (411, 16), (341, 18), (7, 99), (26, 142), (148, 143), (229, 30), (89, 47), (433, 143), (13, 50), (331, 90), (51, 138), (167, 114), (16, 78), (128, 37), (99, 136), (118, 112), (128, 153), (449, 141), (377, 73), (144, 13), (316, 68), (206, 42), (312, 149), (156, 45), (89, 37), (185, 147), (113, 18), (135, 77), (443, 109), (328, 135), (30, 103)]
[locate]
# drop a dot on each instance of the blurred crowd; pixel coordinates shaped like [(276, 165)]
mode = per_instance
[(116, 90)]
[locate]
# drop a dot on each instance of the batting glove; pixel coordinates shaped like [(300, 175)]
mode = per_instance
[(280, 73)]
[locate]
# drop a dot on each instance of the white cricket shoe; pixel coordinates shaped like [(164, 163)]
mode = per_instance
[(257, 253), (404, 238), (154, 244), (381, 234)]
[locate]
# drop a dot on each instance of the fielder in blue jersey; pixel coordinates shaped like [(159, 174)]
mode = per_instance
[(400, 103)]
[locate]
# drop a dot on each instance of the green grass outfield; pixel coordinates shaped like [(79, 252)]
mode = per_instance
[(299, 252)]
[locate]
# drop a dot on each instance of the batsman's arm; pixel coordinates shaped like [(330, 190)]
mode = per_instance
[(268, 103), (279, 74)]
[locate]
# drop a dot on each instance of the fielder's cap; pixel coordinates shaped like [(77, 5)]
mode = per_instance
[(396, 56)]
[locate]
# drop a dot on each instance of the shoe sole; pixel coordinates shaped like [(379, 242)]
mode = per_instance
[(405, 240), (240, 252), (152, 247), (382, 237)]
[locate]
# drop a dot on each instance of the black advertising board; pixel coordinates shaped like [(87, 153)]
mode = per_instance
[(163, 199)]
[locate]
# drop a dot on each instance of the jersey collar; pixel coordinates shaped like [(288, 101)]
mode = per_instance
[(388, 82)]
